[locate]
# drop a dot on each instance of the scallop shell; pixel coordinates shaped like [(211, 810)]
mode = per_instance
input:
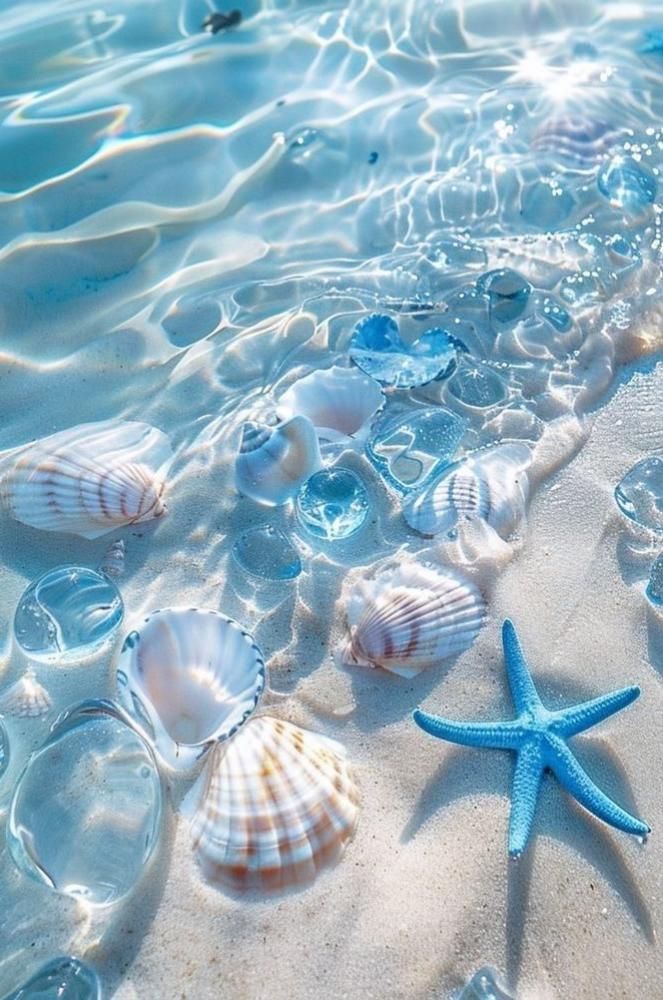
[(409, 617), (25, 698), (492, 486), (339, 402), (113, 562), (274, 462), (90, 479), (278, 806), (190, 677), (575, 139)]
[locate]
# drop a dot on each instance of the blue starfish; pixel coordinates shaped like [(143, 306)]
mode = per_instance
[(538, 737)]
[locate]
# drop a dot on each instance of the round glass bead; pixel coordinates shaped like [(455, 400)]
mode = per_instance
[(627, 184), (332, 504), (639, 496), (61, 979)]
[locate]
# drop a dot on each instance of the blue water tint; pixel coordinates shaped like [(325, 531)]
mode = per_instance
[(61, 979), (86, 810), (332, 504), (556, 314), (627, 184), (4, 749), (67, 613), (639, 495), (265, 552), (654, 589), (485, 985), (653, 42), (378, 349), (546, 204), (477, 386), (508, 293), (409, 450)]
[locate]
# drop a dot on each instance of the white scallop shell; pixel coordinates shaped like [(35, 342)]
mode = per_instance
[(113, 562), (25, 698), (278, 806), (274, 462), (492, 485), (190, 677), (409, 617), (90, 479), (340, 402)]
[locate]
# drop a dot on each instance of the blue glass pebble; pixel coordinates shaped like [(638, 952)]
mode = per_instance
[(654, 589), (61, 979), (546, 205), (627, 184), (67, 613), (332, 504), (653, 42), (639, 495), (484, 985), (266, 552), (477, 386), (409, 450), (4, 749), (556, 315), (508, 294), (378, 349)]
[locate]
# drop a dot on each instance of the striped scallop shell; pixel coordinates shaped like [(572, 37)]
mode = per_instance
[(492, 486), (190, 677), (410, 617), (275, 808), (112, 563), (90, 479), (274, 462), (26, 698), (340, 402)]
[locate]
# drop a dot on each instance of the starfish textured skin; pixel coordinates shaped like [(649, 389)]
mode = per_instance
[(538, 737)]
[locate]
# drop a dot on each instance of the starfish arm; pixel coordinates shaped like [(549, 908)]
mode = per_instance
[(570, 721), (520, 681), (526, 783), (496, 735), (575, 779)]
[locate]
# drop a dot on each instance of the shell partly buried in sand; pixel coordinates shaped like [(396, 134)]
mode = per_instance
[(409, 617), (25, 698), (492, 486), (190, 677), (272, 809), (340, 402), (112, 563), (90, 479), (274, 462)]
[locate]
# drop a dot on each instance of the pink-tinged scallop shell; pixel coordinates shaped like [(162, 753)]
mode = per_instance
[(340, 402), (272, 809), (90, 479), (410, 617), (25, 698)]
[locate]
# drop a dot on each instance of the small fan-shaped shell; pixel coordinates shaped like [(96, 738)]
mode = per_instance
[(90, 479), (274, 462), (410, 617), (340, 402), (273, 810), (492, 485), (25, 698), (191, 677), (113, 562)]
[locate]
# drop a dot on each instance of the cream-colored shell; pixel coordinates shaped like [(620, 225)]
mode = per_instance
[(274, 462), (410, 617), (112, 564), (275, 808), (90, 479), (340, 402), (25, 698)]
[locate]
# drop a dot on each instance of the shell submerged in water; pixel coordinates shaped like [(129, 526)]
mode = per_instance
[(410, 617), (90, 479), (190, 677), (274, 462), (277, 807), (340, 402), (112, 563), (25, 698), (492, 486)]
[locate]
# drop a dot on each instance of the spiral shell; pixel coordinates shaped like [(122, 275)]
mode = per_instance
[(26, 698), (409, 617), (492, 486), (274, 462), (90, 479), (340, 402), (278, 806)]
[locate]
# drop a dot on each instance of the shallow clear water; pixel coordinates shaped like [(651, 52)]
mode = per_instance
[(188, 223)]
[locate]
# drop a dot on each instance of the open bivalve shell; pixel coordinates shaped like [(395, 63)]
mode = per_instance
[(339, 402), (272, 808), (274, 462), (190, 677)]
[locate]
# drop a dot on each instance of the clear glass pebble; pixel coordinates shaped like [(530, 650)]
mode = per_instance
[(4, 749), (62, 979), (654, 591), (67, 613), (545, 204), (266, 552), (412, 449), (639, 496), (377, 348), (86, 810), (627, 184), (484, 985), (477, 386), (332, 504), (508, 294)]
